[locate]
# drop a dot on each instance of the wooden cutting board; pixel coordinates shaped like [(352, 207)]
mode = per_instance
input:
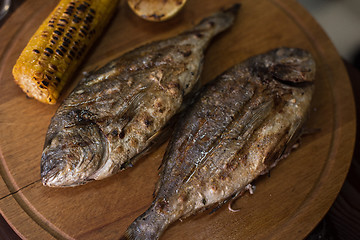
[(287, 204)]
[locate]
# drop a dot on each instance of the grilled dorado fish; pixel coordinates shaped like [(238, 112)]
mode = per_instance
[(115, 114), (241, 125)]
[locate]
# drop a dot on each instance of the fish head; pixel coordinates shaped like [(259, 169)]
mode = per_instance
[(74, 150), (292, 66)]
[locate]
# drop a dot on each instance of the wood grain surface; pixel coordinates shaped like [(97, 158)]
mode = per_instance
[(287, 204)]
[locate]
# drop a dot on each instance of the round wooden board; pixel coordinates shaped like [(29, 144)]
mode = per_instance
[(287, 204)]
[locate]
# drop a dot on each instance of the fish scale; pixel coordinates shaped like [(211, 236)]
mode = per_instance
[(129, 103), (238, 128)]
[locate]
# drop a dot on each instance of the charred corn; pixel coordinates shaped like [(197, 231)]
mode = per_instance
[(59, 45)]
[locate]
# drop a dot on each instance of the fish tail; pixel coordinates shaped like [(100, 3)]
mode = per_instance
[(149, 226), (221, 20), (134, 235), (216, 23)]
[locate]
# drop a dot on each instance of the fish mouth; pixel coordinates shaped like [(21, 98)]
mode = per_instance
[(73, 156), (57, 177), (57, 172)]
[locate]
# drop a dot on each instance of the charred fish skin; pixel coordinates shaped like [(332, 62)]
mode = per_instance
[(115, 113), (242, 123)]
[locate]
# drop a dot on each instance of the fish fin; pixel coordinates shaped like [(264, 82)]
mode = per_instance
[(125, 115), (303, 132), (250, 121), (251, 188), (293, 143), (231, 199), (134, 102), (297, 142), (154, 142)]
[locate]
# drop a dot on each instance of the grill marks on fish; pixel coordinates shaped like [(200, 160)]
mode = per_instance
[(125, 106), (239, 127), (237, 122)]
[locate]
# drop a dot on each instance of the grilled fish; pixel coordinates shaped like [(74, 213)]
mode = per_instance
[(240, 126), (118, 112)]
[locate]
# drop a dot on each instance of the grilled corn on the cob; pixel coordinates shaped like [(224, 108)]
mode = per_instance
[(58, 46)]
